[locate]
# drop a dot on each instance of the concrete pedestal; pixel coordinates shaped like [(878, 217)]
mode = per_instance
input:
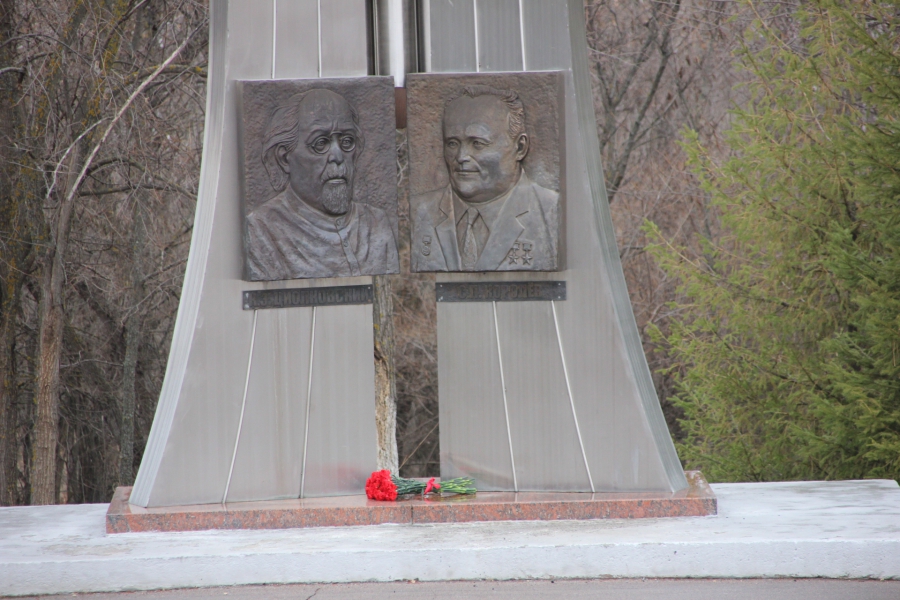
[(804, 529)]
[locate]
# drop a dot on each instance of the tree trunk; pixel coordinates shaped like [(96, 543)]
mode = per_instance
[(10, 273), (50, 311), (8, 397), (46, 423), (385, 376), (132, 345), (50, 332)]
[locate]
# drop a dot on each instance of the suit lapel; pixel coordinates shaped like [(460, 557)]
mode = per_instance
[(507, 228), (445, 231)]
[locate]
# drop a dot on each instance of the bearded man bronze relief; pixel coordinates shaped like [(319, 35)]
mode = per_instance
[(319, 179)]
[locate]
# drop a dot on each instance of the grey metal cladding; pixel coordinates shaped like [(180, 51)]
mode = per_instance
[(544, 438), (242, 387), (267, 460), (342, 444), (499, 21), (543, 395), (485, 169), (473, 426), (319, 178), (457, 27)]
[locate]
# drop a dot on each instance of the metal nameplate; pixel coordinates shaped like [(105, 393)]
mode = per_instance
[(298, 297), (500, 291)]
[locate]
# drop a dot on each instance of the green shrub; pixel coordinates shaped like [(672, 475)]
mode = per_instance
[(788, 336)]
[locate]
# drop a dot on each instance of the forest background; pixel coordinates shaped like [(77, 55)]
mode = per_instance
[(761, 310)]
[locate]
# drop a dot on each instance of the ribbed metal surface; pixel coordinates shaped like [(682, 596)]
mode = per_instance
[(344, 35), (270, 447), (296, 39), (473, 431), (546, 28), (626, 443), (499, 35), (449, 35), (192, 441), (341, 451), (545, 443)]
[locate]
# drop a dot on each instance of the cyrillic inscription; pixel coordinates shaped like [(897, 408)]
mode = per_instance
[(496, 291), (323, 296)]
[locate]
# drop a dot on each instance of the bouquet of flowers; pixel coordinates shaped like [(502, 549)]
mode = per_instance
[(381, 485)]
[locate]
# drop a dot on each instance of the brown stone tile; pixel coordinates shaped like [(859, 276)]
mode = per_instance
[(697, 500), (273, 514)]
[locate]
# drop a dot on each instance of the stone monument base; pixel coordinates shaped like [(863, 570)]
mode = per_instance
[(341, 511)]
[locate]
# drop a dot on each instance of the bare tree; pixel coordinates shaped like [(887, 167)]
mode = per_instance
[(14, 253), (98, 83), (629, 67)]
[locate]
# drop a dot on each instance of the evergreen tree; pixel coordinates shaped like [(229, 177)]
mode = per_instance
[(788, 339)]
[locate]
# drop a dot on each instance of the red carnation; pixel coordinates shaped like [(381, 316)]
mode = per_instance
[(380, 487), (431, 486)]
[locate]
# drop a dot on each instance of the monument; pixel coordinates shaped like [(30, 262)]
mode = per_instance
[(270, 385), (543, 384), (268, 399)]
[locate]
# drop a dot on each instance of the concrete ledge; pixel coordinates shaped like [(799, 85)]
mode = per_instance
[(805, 529), (695, 501)]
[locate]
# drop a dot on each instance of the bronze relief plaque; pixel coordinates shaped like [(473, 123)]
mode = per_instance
[(319, 178), (486, 171)]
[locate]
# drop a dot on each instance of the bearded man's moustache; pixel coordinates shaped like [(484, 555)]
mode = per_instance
[(333, 172)]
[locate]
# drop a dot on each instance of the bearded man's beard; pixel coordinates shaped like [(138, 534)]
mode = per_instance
[(337, 192), (336, 198)]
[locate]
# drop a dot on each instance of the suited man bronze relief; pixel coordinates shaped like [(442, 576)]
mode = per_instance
[(491, 216)]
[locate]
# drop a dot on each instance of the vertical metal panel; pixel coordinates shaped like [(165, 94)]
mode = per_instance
[(499, 35), (269, 451), (473, 434), (637, 370), (451, 35), (342, 445), (618, 441), (626, 440), (547, 453), (193, 462), (188, 307), (191, 442), (546, 30), (296, 39), (345, 46)]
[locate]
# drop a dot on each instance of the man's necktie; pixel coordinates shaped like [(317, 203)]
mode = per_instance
[(470, 248)]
